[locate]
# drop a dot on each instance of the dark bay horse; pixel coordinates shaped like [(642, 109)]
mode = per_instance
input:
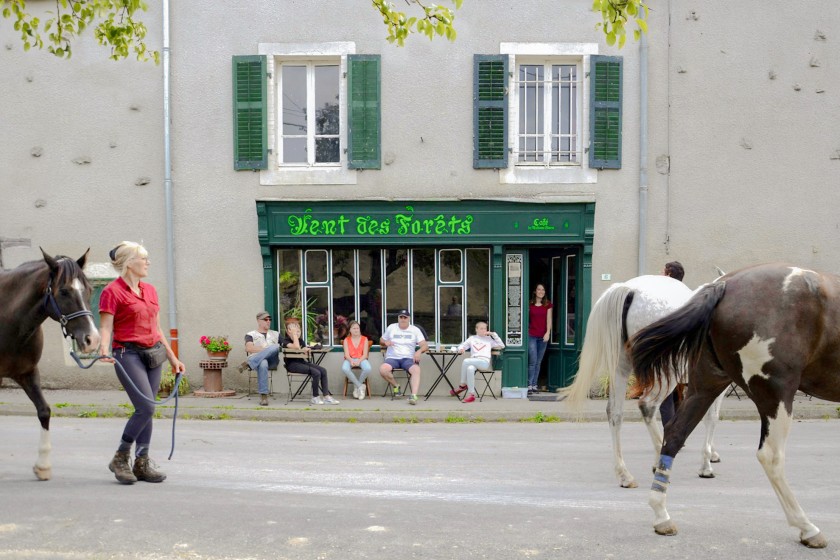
[(52, 287), (771, 329)]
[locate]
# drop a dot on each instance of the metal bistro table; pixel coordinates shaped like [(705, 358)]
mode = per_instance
[(443, 360), (315, 356)]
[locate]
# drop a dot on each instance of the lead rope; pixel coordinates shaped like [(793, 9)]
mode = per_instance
[(137, 391)]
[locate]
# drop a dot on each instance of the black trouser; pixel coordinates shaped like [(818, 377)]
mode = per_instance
[(319, 375), (139, 427)]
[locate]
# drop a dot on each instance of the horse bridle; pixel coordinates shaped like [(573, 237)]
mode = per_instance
[(54, 311)]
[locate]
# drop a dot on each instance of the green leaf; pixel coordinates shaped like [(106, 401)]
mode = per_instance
[(642, 25), (611, 38), (621, 39)]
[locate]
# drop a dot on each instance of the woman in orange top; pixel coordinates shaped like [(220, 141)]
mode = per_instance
[(356, 349)]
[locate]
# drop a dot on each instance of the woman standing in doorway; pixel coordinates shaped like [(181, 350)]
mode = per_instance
[(539, 333)]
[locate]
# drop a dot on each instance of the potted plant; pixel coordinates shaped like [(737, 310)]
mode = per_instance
[(216, 346), (167, 383)]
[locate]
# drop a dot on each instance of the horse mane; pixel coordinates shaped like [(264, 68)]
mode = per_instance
[(69, 270)]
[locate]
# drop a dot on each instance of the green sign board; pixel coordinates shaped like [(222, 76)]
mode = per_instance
[(461, 222)]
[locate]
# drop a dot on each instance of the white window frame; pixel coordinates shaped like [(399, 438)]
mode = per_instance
[(549, 54), (277, 172)]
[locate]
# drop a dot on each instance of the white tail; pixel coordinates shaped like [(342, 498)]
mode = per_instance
[(601, 345)]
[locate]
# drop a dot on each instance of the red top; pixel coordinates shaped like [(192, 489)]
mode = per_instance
[(356, 351), (135, 317), (537, 319)]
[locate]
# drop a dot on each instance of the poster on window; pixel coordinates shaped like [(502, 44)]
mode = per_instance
[(513, 289)]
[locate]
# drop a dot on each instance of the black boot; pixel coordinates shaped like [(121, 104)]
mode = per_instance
[(144, 469), (121, 467)]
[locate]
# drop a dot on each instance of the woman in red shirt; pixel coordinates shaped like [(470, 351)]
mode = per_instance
[(539, 333), (128, 310)]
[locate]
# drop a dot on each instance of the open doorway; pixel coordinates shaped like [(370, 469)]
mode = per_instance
[(558, 270)]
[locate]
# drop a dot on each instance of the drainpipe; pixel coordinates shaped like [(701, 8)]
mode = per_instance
[(167, 186), (643, 152)]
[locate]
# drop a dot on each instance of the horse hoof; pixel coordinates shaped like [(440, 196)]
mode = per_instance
[(704, 474), (666, 528), (42, 474), (629, 484), (715, 458), (817, 541)]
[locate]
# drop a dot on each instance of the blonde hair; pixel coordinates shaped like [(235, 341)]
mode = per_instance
[(124, 252)]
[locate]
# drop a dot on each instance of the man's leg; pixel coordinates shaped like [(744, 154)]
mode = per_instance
[(386, 371), (415, 378)]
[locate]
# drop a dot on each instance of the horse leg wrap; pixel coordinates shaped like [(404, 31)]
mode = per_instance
[(662, 475)]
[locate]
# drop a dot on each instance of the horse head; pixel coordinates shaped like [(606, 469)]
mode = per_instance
[(67, 300)]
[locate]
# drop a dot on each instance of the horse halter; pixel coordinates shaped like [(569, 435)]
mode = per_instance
[(54, 311)]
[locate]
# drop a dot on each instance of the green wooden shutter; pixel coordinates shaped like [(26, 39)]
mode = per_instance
[(364, 107), (490, 101), (605, 79), (250, 141)]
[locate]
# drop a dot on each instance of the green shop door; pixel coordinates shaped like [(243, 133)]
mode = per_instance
[(564, 348), (515, 317)]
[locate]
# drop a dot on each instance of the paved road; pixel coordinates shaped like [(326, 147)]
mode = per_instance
[(254, 490)]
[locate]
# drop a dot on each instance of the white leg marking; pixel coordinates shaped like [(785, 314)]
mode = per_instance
[(709, 455), (772, 458), (615, 414), (754, 355), (43, 468), (794, 272)]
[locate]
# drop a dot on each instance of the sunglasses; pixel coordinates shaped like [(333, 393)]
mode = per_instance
[(266, 319), (401, 316)]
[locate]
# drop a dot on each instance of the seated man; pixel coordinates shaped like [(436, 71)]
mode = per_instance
[(263, 348), (401, 339)]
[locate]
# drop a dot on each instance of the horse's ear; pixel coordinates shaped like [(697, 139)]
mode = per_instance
[(51, 262), (83, 259)]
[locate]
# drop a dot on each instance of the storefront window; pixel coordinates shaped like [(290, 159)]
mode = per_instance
[(571, 305), (345, 284)]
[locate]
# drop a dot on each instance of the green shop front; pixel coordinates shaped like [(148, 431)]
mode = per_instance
[(450, 263)]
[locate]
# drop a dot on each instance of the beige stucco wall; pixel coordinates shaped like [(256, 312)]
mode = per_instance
[(710, 97)]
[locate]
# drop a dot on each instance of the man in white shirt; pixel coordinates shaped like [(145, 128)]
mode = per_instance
[(402, 340), (263, 348)]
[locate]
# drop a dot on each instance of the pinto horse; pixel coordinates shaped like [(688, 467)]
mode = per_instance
[(55, 288), (621, 311), (771, 329)]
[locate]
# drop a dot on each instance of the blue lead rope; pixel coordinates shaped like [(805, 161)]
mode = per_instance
[(137, 391)]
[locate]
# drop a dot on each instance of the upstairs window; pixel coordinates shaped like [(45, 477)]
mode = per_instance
[(309, 113)]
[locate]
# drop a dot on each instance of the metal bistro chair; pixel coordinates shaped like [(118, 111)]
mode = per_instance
[(487, 374), (297, 381), (397, 373), (252, 378), (357, 368)]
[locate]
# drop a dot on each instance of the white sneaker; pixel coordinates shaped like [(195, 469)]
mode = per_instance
[(356, 393), (329, 400), (362, 392), (317, 400)]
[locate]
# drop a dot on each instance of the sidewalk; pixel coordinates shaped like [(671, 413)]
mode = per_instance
[(110, 403)]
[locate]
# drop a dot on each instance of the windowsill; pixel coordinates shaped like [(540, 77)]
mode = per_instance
[(308, 176), (530, 175)]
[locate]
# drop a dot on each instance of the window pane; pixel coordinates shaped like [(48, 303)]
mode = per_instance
[(327, 150), (294, 150), (288, 281), (316, 265), (370, 298), (423, 283), (451, 315), (318, 315), (343, 292), (450, 265), (326, 100), (478, 287), (396, 283), (294, 99)]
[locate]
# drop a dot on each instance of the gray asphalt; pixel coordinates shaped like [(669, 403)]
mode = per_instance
[(260, 490)]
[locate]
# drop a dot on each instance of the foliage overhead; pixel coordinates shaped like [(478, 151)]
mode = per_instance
[(616, 14), (114, 25), (436, 20)]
